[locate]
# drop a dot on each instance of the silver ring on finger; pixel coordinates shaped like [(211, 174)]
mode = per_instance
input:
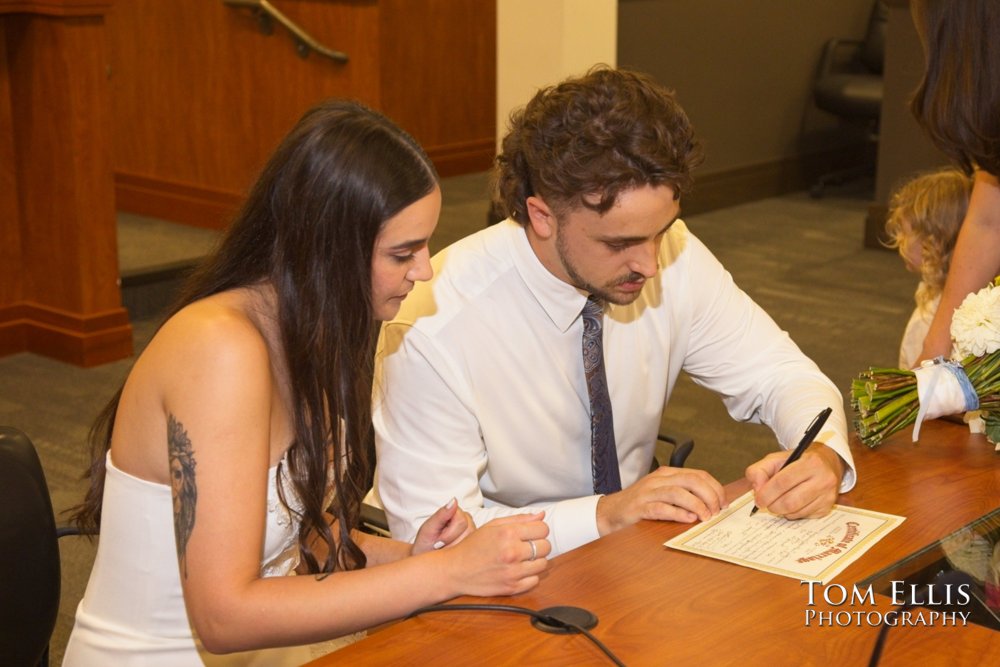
[(534, 550)]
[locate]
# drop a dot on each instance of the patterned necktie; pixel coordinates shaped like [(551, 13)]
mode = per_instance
[(603, 455)]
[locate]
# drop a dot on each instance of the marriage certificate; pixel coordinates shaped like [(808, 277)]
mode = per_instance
[(804, 549)]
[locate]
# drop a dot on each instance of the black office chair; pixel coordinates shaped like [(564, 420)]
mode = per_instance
[(373, 518), (849, 85), (29, 554)]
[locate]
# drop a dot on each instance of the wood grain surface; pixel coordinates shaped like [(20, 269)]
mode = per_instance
[(657, 606)]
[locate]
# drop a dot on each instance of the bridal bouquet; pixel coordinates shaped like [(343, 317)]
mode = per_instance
[(886, 400)]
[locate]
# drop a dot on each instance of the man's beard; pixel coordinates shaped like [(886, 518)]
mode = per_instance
[(605, 293)]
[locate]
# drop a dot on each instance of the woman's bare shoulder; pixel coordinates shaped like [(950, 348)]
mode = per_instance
[(216, 340), (208, 364), (218, 326)]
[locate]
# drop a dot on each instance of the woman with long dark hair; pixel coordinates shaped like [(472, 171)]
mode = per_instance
[(958, 105), (237, 449)]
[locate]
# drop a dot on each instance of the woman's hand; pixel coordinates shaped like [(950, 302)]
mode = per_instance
[(503, 557), (447, 526)]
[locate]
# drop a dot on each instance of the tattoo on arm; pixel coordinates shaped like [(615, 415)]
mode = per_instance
[(182, 467)]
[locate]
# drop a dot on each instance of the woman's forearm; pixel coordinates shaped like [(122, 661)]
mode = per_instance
[(974, 263), (381, 550)]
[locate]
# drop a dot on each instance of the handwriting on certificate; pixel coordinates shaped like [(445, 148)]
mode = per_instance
[(804, 549)]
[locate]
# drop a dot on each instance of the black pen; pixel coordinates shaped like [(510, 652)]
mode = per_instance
[(806, 440)]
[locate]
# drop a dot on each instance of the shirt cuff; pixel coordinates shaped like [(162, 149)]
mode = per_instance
[(843, 450), (850, 478), (572, 523)]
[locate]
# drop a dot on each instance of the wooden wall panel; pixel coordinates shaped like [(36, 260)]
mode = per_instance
[(438, 68), (201, 97), (199, 92)]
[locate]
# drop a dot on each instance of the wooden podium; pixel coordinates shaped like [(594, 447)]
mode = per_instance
[(59, 291)]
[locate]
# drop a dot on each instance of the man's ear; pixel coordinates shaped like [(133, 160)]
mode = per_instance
[(540, 217)]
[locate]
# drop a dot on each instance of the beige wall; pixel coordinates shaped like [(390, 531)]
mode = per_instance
[(540, 42), (904, 149), (742, 69)]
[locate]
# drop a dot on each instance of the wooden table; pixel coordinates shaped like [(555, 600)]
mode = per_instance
[(657, 606)]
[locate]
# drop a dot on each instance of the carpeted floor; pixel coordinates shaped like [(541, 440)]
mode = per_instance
[(801, 259)]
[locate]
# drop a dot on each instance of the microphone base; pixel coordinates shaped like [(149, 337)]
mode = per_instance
[(574, 615)]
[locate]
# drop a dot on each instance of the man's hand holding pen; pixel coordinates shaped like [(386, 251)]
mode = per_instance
[(807, 489)]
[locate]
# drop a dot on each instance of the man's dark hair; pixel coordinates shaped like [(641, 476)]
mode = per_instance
[(594, 136)]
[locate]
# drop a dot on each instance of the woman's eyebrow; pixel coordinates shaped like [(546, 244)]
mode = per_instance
[(406, 245)]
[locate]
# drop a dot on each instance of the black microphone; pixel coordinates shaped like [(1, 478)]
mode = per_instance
[(918, 596)]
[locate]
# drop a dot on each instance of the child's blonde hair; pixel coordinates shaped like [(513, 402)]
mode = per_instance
[(929, 210)]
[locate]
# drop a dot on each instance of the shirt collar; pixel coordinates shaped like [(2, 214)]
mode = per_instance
[(561, 301)]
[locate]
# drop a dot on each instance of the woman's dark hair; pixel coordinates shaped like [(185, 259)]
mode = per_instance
[(958, 100), (309, 228), (600, 134)]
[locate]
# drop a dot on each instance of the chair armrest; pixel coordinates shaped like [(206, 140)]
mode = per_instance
[(374, 521), (63, 531), (835, 47), (683, 444)]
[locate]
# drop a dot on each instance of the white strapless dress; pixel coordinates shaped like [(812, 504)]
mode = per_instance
[(133, 610)]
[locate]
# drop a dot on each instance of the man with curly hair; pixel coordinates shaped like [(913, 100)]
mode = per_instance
[(533, 370)]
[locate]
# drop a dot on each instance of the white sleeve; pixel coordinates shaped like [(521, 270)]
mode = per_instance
[(737, 350), (430, 447)]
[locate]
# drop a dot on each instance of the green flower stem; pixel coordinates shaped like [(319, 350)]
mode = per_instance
[(885, 413)]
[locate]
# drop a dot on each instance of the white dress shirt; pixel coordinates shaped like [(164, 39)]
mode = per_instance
[(481, 395)]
